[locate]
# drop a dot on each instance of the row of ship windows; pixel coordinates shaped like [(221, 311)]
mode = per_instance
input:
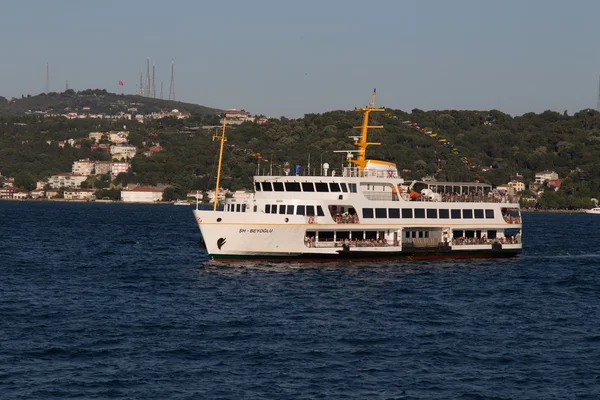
[(427, 213), (322, 187), (309, 211)]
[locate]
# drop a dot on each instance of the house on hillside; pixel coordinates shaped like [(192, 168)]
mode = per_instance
[(541, 177), (67, 180), (79, 194), (83, 167)]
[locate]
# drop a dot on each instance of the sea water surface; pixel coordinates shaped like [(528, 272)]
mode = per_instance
[(109, 301)]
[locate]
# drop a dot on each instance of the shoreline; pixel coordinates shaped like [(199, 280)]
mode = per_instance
[(524, 210)]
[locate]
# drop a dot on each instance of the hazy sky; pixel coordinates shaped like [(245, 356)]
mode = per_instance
[(294, 57)]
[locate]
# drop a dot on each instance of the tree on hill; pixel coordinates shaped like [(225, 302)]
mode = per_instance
[(25, 180)]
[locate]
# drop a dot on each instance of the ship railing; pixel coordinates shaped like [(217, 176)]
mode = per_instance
[(510, 219), (516, 239), (355, 172), (345, 218), (469, 198), (351, 243), (380, 196)]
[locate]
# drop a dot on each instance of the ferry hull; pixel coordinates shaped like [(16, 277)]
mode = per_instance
[(363, 256)]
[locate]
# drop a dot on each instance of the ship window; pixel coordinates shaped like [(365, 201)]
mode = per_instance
[(407, 213), (444, 213), (238, 207), (326, 236), (344, 187), (321, 187), (310, 211), (420, 234), (489, 214), (367, 212), (267, 208), (274, 209), (394, 213), (426, 234), (341, 235), (257, 186), (407, 235), (357, 234), (431, 213), (414, 234), (308, 187), (455, 214), (467, 214), (352, 187), (290, 209), (255, 208), (278, 186), (419, 213), (266, 186), (458, 234), (299, 210), (381, 213), (334, 187), (370, 235), (491, 234), (470, 234), (478, 213), (282, 209), (292, 187), (320, 212), (243, 207)]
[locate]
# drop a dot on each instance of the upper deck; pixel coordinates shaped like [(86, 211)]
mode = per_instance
[(375, 185)]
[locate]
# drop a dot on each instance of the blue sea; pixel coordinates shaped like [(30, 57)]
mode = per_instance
[(117, 301)]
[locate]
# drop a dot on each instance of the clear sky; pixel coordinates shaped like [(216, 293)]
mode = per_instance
[(280, 57)]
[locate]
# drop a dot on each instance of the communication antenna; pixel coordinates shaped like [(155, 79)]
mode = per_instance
[(153, 84), (141, 87), (161, 92), (66, 86), (147, 90), (47, 87), (172, 86), (598, 105)]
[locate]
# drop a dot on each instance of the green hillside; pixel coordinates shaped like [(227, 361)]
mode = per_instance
[(497, 146), (98, 101)]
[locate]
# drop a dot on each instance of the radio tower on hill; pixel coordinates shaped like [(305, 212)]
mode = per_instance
[(598, 105), (153, 92), (141, 88), (147, 88), (172, 87), (47, 86)]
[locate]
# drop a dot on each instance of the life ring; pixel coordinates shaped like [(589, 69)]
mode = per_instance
[(311, 220), (390, 173)]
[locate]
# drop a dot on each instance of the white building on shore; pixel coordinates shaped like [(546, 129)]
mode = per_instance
[(142, 194)]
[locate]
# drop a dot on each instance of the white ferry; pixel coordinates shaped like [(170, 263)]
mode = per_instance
[(364, 211)]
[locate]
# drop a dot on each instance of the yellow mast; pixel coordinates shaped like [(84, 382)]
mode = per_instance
[(362, 143), (222, 139)]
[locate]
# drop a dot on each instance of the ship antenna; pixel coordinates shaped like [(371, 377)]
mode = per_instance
[(222, 139), (362, 142)]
